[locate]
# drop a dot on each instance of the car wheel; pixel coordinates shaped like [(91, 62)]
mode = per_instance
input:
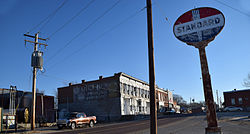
[(60, 127), (91, 124), (73, 125)]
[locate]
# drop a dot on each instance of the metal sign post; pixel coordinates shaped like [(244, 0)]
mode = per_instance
[(197, 28), (212, 125)]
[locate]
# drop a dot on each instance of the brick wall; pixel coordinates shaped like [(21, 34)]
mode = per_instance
[(240, 97)]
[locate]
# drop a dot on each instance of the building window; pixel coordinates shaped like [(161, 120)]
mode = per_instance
[(132, 90), (124, 88), (128, 89), (142, 92), (233, 101), (135, 89), (139, 92), (240, 100)]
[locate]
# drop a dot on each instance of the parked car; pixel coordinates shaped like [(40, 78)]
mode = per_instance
[(232, 108), (76, 119), (167, 111)]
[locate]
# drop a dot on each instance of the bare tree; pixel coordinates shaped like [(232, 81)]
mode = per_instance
[(179, 99), (40, 91), (246, 82)]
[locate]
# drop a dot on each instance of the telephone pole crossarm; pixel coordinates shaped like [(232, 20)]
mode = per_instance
[(36, 42), (34, 37)]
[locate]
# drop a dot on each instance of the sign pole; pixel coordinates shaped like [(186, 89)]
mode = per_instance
[(197, 28), (153, 114), (212, 125)]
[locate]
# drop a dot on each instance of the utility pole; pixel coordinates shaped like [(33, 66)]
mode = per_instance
[(33, 111), (220, 103), (12, 99), (153, 114), (217, 98), (42, 105)]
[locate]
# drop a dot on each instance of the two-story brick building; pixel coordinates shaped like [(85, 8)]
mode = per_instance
[(239, 98), (110, 98)]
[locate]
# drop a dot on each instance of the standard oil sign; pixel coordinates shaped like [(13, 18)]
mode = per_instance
[(199, 24), (197, 28)]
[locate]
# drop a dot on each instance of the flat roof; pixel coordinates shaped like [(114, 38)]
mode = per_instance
[(236, 90), (121, 74)]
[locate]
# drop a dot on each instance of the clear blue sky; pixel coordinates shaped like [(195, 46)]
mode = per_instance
[(96, 52)]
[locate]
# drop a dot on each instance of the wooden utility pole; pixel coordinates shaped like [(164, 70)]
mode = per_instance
[(153, 113), (217, 94), (33, 111)]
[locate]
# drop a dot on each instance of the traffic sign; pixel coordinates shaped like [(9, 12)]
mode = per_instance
[(199, 24)]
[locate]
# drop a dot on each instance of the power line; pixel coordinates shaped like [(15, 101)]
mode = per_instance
[(101, 35), (85, 29), (52, 15), (162, 12), (72, 18), (48, 18), (233, 8), (54, 77)]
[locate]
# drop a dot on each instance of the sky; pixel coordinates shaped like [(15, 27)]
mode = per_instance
[(111, 36)]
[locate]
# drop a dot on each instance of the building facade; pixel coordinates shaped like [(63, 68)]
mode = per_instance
[(238, 98), (110, 98), (10, 100)]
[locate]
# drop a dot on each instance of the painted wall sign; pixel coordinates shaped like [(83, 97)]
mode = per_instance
[(199, 24)]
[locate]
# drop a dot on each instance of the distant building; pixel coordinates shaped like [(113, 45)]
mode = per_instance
[(23, 100), (239, 98), (110, 98)]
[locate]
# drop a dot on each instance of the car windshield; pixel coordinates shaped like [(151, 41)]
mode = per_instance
[(71, 115)]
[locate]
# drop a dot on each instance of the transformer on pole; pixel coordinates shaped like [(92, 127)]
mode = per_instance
[(36, 63)]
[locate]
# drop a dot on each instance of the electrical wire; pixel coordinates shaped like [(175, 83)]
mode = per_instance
[(248, 15), (85, 29), (101, 35), (48, 18), (54, 77), (72, 18), (52, 15), (162, 12)]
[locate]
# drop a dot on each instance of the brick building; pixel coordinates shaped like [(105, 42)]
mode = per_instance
[(109, 98), (238, 98)]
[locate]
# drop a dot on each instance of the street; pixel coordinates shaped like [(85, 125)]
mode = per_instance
[(230, 122)]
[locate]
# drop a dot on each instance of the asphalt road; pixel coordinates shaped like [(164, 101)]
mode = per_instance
[(230, 122), (122, 128)]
